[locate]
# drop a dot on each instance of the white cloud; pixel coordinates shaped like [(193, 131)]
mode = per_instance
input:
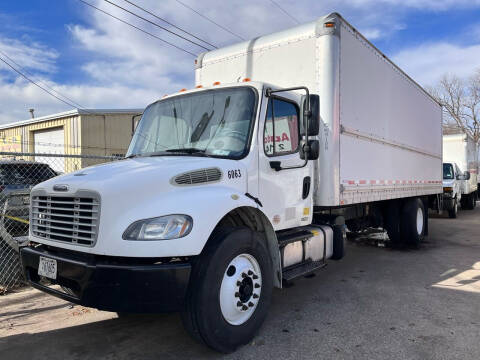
[(30, 55), (427, 63)]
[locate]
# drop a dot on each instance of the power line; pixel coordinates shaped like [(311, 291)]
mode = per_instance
[(284, 11), (210, 20), (139, 29), (41, 82), (159, 26), (169, 23), (34, 83)]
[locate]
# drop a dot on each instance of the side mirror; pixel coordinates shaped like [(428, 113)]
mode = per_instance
[(466, 175), (314, 152), (314, 118)]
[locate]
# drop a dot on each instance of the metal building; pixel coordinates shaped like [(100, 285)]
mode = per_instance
[(104, 132)]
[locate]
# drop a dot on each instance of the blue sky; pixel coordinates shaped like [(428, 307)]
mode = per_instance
[(102, 63)]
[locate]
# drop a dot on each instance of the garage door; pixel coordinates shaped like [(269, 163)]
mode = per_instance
[(50, 141)]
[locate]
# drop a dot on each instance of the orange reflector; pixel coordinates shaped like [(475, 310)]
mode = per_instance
[(329, 24), (182, 90), (216, 83), (246, 80), (198, 86)]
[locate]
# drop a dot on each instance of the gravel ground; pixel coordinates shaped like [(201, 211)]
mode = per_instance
[(377, 303)]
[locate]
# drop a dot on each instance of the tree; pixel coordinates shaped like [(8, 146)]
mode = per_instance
[(460, 100)]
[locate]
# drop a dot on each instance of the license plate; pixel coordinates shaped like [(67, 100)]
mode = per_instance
[(47, 267)]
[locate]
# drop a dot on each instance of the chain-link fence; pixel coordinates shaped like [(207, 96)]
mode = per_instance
[(19, 172)]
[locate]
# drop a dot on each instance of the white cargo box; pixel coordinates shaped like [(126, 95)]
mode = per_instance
[(462, 150), (381, 133)]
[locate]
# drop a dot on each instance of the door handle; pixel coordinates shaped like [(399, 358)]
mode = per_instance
[(306, 187)]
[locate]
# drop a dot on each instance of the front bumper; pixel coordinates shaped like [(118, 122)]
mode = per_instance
[(111, 283)]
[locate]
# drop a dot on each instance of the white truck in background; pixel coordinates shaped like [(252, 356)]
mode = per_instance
[(243, 182), (460, 173)]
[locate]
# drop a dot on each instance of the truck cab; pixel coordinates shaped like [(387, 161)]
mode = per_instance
[(209, 172), (452, 185)]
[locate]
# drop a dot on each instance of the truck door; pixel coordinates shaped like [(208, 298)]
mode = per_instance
[(286, 195)]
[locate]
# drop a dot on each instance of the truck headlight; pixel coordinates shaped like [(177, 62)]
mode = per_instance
[(159, 228)]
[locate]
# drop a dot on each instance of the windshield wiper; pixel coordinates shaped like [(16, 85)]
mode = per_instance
[(190, 151)]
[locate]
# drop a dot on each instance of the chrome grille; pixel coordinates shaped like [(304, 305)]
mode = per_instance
[(198, 176), (68, 219)]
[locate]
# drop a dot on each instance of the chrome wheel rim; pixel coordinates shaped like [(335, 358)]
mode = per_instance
[(240, 289), (419, 221)]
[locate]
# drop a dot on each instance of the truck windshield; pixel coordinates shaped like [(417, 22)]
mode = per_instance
[(207, 123), (448, 171)]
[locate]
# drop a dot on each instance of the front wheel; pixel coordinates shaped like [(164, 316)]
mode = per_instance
[(230, 290), (452, 214)]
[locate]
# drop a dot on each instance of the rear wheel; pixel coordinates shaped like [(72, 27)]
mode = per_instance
[(413, 221), (471, 201), (230, 290)]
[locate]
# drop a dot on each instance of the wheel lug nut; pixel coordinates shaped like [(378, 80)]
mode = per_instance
[(256, 286), (237, 294), (250, 304), (250, 272), (255, 277), (255, 296), (244, 307), (239, 303)]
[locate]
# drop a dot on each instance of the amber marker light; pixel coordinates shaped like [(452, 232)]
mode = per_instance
[(216, 83)]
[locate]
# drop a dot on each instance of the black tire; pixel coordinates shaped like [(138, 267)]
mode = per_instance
[(392, 222), (203, 317), (339, 242), (413, 221), (471, 201), (452, 214)]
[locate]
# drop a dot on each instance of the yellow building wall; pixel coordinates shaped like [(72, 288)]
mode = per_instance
[(106, 135), (72, 138), (100, 135)]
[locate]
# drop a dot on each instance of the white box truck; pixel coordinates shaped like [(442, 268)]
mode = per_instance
[(243, 182), (460, 173)]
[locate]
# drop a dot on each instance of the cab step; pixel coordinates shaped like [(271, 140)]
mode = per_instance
[(290, 237), (302, 269)]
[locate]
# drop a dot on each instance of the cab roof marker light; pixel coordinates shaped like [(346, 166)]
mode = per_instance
[(182, 90), (246, 80), (329, 24), (198, 86), (216, 83)]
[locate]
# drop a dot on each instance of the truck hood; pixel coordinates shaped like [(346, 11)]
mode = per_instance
[(140, 174), (142, 188)]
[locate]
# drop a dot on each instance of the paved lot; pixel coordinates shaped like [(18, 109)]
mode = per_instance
[(377, 303)]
